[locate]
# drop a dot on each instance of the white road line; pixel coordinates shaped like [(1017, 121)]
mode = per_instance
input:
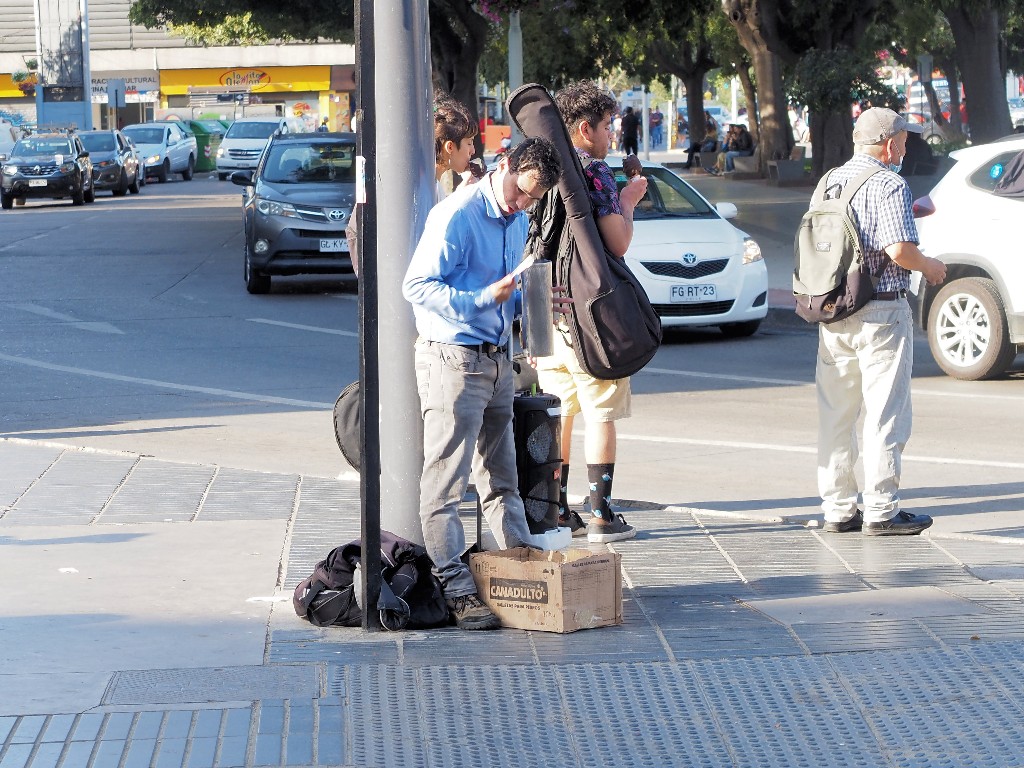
[(795, 383), (812, 451), (313, 328), (83, 325), (229, 393)]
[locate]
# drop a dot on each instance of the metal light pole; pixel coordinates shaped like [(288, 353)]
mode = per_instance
[(515, 62)]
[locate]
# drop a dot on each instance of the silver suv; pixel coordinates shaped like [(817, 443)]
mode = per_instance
[(296, 206), (971, 221)]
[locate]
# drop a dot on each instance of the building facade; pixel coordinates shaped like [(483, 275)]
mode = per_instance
[(164, 75)]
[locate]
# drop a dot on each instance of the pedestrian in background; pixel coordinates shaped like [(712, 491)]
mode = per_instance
[(630, 132), (460, 284), (587, 113), (656, 122), (865, 360)]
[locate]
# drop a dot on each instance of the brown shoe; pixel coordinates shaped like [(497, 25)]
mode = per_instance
[(471, 613)]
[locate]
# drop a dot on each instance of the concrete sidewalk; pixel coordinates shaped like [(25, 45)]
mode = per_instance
[(146, 621)]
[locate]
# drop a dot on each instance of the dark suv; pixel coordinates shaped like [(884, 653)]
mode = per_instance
[(115, 165), (297, 203), (54, 165)]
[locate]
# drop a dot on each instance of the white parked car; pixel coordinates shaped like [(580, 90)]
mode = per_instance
[(246, 139), (975, 319), (166, 148), (697, 268)]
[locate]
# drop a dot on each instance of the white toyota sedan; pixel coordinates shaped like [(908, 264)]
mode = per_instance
[(697, 268)]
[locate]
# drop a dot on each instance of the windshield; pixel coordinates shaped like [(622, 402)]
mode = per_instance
[(42, 147), (317, 161), (98, 142), (145, 135), (211, 126), (667, 197), (251, 130)]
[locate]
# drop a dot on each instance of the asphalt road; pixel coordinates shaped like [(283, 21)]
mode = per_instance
[(125, 325)]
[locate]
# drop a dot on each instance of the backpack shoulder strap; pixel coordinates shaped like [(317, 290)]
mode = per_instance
[(851, 188)]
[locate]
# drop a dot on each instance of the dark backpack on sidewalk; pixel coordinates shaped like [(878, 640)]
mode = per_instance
[(410, 594), (615, 330)]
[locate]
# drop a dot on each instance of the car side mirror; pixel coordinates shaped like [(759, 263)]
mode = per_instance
[(242, 179), (2, 157), (727, 210), (85, 153)]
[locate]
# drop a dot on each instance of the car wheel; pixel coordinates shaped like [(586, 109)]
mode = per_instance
[(190, 169), (164, 172), (89, 195), (255, 281), (78, 197), (122, 186), (222, 177), (135, 186), (19, 201), (967, 330), (739, 330), (6, 201)]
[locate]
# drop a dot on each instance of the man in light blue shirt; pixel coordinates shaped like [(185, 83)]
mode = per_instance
[(464, 298)]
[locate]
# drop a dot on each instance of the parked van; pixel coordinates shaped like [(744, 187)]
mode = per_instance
[(246, 139)]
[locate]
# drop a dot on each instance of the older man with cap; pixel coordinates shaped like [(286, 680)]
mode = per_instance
[(864, 361)]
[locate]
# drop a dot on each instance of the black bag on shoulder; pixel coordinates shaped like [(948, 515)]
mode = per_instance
[(615, 330), (410, 594), (831, 278)]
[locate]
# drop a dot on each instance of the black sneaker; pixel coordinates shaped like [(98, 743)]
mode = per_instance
[(470, 612), (599, 532), (853, 524), (573, 522), (904, 524)]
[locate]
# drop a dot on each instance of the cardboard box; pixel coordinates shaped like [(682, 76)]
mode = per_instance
[(550, 591)]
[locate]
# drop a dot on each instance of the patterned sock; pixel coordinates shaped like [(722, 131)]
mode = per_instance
[(563, 496), (600, 477)]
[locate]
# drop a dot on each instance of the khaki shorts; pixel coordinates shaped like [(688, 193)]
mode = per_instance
[(596, 399)]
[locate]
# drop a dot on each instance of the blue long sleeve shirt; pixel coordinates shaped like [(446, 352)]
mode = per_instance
[(467, 244)]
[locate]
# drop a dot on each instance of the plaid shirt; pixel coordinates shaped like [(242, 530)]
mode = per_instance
[(883, 211)]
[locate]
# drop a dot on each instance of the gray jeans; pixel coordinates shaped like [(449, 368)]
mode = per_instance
[(466, 404)]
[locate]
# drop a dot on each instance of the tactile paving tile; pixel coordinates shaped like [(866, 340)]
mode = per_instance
[(23, 465), (383, 721), (238, 494), (73, 491), (482, 725), (327, 517), (786, 712), (186, 686), (1005, 661), (338, 645), (639, 715), (432, 647), (159, 491)]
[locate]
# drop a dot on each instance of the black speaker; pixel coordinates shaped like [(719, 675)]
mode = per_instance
[(537, 426)]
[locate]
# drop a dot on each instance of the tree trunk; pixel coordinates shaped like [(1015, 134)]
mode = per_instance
[(694, 83), (977, 50), (832, 140), (458, 35), (743, 73), (754, 22)]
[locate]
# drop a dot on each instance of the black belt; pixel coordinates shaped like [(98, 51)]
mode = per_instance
[(485, 348), (890, 295)]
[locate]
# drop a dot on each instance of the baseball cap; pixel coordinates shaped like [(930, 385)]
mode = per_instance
[(878, 124)]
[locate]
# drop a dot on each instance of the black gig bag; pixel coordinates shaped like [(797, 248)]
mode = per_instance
[(614, 329)]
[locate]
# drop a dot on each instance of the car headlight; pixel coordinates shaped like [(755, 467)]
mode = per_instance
[(152, 159), (220, 151), (751, 251), (67, 167), (274, 208), (10, 170)]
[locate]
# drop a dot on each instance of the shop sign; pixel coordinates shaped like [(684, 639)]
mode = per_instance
[(139, 86), (253, 79)]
